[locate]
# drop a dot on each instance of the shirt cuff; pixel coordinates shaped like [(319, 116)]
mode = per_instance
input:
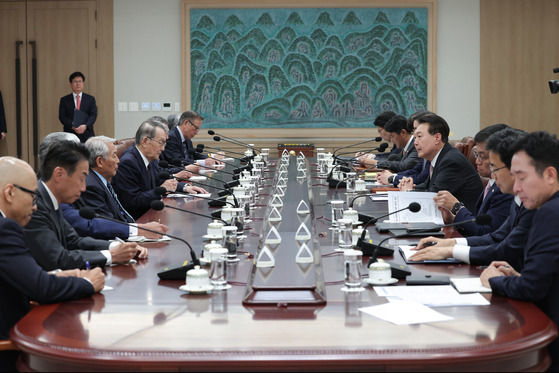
[(107, 253), (462, 253), (461, 241), (133, 230)]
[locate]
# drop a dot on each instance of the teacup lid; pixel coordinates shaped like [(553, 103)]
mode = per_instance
[(379, 264), (197, 272)]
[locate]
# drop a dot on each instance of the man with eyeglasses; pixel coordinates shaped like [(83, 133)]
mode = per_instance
[(21, 278), (506, 243), (491, 201), (78, 100), (180, 138), (138, 171)]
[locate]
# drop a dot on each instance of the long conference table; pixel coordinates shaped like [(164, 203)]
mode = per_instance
[(292, 316)]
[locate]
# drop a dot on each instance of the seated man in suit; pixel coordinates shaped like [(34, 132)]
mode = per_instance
[(51, 239), (100, 196), (138, 172), (491, 202), (21, 278), (450, 169), (180, 141), (77, 100), (507, 242), (402, 139), (419, 172), (535, 166)]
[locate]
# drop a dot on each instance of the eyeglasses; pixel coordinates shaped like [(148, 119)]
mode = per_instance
[(160, 142), (493, 170), (483, 157), (192, 124), (35, 193)]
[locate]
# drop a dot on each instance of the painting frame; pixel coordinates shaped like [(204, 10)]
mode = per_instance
[(304, 132)]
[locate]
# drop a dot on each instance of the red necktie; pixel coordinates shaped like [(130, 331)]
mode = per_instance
[(78, 102)]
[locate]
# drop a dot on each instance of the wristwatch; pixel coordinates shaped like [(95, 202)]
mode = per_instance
[(457, 206), (390, 179)]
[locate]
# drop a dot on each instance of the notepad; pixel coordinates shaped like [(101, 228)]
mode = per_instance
[(469, 285)]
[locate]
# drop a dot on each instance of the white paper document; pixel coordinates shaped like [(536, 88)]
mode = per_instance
[(428, 213), (144, 239), (469, 285), (431, 295), (405, 312)]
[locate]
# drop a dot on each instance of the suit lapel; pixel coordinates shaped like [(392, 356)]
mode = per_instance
[(55, 215)]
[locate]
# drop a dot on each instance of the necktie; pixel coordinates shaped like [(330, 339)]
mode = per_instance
[(185, 149), (151, 186), (123, 212), (431, 168), (78, 102), (487, 187)]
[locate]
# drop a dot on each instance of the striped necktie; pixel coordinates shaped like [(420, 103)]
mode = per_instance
[(123, 211)]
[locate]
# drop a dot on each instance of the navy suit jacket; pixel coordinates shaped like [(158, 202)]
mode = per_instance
[(506, 243), (96, 228), (496, 204), (176, 149), (419, 173), (22, 279), (3, 126), (539, 280), (454, 172), (66, 114), (55, 244), (407, 161), (133, 185)]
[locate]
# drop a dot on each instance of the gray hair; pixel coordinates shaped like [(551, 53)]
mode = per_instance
[(98, 147), (173, 120), (147, 129), (52, 138), (189, 115)]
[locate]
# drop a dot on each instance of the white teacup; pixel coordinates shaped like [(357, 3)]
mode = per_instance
[(214, 229), (198, 279), (239, 191), (380, 272), (208, 247), (356, 234), (351, 214), (226, 214), (360, 185)]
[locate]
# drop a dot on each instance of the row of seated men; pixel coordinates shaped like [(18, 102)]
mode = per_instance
[(522, 253)]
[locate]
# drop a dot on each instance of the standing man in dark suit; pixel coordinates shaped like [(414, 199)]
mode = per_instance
[(396, 128), (21, 278), (78, 100), (3, 124), (138, 172), (450, 169), (491, 202), (180, 141), (51, 239), (535, 166)]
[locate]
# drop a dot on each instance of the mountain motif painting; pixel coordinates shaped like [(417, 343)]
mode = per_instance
[(307, 68)]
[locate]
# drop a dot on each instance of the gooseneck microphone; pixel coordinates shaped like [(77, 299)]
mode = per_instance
[(223, 191), (177, 273), (377, 139), (158, 205), (235, 168), (482, 219), (161, 191), (225, 138), (367, 247)]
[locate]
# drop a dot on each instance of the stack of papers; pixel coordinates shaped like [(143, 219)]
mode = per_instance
[(144, 239)]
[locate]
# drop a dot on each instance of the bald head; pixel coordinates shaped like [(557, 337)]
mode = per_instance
[(17, 182)]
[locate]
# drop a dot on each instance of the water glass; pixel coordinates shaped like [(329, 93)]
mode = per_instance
[(337, 211), (218, 268), (352, 265), (345, 235)]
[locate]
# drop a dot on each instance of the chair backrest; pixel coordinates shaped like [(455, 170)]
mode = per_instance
[(123, 144)]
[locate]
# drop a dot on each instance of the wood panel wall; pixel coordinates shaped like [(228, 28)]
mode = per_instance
[(519, 49)]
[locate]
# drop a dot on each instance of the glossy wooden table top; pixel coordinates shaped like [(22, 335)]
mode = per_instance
[(148, 324)]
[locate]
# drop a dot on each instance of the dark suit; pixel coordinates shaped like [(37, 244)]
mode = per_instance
[(175, 148), (22, 280), (55, 244), (406, 160), (419, 173), (96, 228), (3, 125), (506, 243), (539, 280), (454, 172), (98, 197), (133, 184), (66, 114), (495, 204)]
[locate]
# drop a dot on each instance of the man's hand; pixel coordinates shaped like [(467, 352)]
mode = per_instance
[(68, 273), (185, 175), (96, 276), (142, 252), (432, 253), (170, 185), (406, 183), (439, 242), (124, 252), (445, 199), (80, 129), (3, 135), (154, 226), (496, 269), (193, 168), (382, 177), (194, 189)]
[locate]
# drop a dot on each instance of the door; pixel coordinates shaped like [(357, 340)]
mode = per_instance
[(59, 38)]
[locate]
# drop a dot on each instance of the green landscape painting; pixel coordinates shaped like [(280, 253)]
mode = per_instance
[(307, 68)]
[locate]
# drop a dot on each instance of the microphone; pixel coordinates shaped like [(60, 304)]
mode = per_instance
[(482, 219), (228, 151), (158, 205), (359, 143), (235, 168), (177, 273), (180, 163), (367, 247), (381, 148), (223, 191), (225, 138), (161, 191)]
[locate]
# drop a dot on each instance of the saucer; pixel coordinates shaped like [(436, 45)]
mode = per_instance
[(206, 237), (197, 290), (204, 261), (389, 282), (357, 222)]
